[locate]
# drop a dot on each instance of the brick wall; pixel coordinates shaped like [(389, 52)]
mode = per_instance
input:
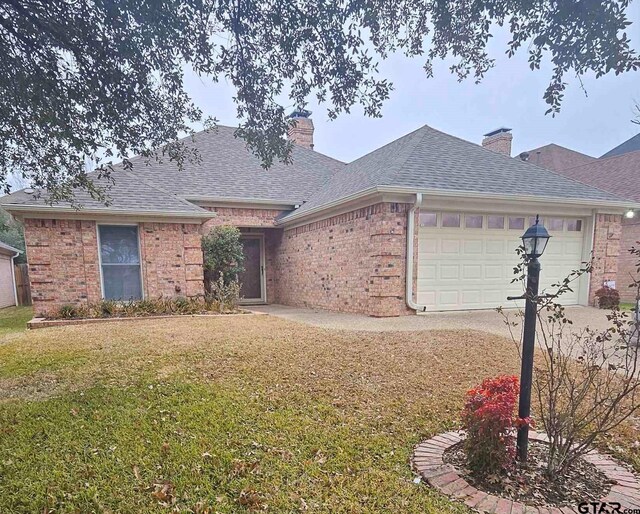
[(172, 259), (606, 251), (354, 262), (238, 217), (627, 263), (64, 264)]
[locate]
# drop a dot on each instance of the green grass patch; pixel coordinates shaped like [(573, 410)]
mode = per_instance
[(154, 447), (14, 319), (230, 414), (18, 364)]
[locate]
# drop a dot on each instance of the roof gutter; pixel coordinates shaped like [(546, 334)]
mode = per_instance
[(587, 202), (411, 218), (42, 209), (618, 204)]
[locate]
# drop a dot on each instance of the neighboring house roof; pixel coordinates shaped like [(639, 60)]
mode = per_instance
[(427, 159), (630, 145), (556, 157), (619, 174)]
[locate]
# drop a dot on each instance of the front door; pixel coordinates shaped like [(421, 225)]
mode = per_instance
[(252, 288)]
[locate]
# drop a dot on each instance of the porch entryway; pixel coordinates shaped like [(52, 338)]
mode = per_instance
[(252, 279)]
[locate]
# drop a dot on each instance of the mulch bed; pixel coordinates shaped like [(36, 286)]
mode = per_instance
[(527, 483)]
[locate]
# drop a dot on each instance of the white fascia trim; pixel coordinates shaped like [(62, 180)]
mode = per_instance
[(10, 249), (462, 194), (245, 202), (328, 206), (40, 210), (617, 204)]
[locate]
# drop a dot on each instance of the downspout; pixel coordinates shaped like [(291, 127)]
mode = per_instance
[(13, 277), (409, 271)]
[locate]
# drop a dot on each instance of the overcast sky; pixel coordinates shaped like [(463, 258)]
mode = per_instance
[(510, 95)]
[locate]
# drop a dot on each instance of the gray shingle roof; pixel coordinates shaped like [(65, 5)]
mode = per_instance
[(128, 193), (226, 169), (430, 159), (230, 170), (425, 159), (630, 145)]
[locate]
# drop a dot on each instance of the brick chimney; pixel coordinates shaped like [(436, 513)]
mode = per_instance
[(499, 140), (301, 128)]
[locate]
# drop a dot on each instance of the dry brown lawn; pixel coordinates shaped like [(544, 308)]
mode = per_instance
[(229, 414)]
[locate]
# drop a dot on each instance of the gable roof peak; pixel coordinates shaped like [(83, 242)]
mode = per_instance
[(630, 145)]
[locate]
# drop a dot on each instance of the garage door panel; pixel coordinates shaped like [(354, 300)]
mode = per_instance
[(493, 296), (473, 247), (556, 250), (450, 246), (448, 298), (573, 248), (471, 271), (427, 271), (472, 268), (472, 297), (495, 247), (449, 272), (427, 246), (493, 271)]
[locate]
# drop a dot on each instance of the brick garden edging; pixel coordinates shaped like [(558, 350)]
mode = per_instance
[(45, 323), (427, 461)]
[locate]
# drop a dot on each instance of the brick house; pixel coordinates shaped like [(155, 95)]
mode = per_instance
[(617, 172), (426, 222)]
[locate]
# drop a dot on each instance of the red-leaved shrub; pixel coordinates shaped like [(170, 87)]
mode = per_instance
[(608, 297), (490, 421)]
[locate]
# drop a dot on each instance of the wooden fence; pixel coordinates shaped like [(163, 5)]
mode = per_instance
[(23, 288)]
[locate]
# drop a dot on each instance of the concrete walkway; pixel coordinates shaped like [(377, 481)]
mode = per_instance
[(485, 320)]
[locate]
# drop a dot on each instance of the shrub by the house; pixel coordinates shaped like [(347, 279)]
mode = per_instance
[(150, 307), (608, 298), (223, 253)]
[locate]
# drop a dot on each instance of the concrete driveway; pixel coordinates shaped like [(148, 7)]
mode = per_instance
[(485, 320)]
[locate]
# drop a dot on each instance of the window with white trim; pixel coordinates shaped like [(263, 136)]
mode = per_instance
[(495, 222), (428, 219), (450, 220), (574, 225), (555, 224), (473, 221), (120, 262)]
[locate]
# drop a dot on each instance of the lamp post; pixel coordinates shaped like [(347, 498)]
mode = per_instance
[(535, 241)]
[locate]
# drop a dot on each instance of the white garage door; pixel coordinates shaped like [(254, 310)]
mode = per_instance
[(466, 260)]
